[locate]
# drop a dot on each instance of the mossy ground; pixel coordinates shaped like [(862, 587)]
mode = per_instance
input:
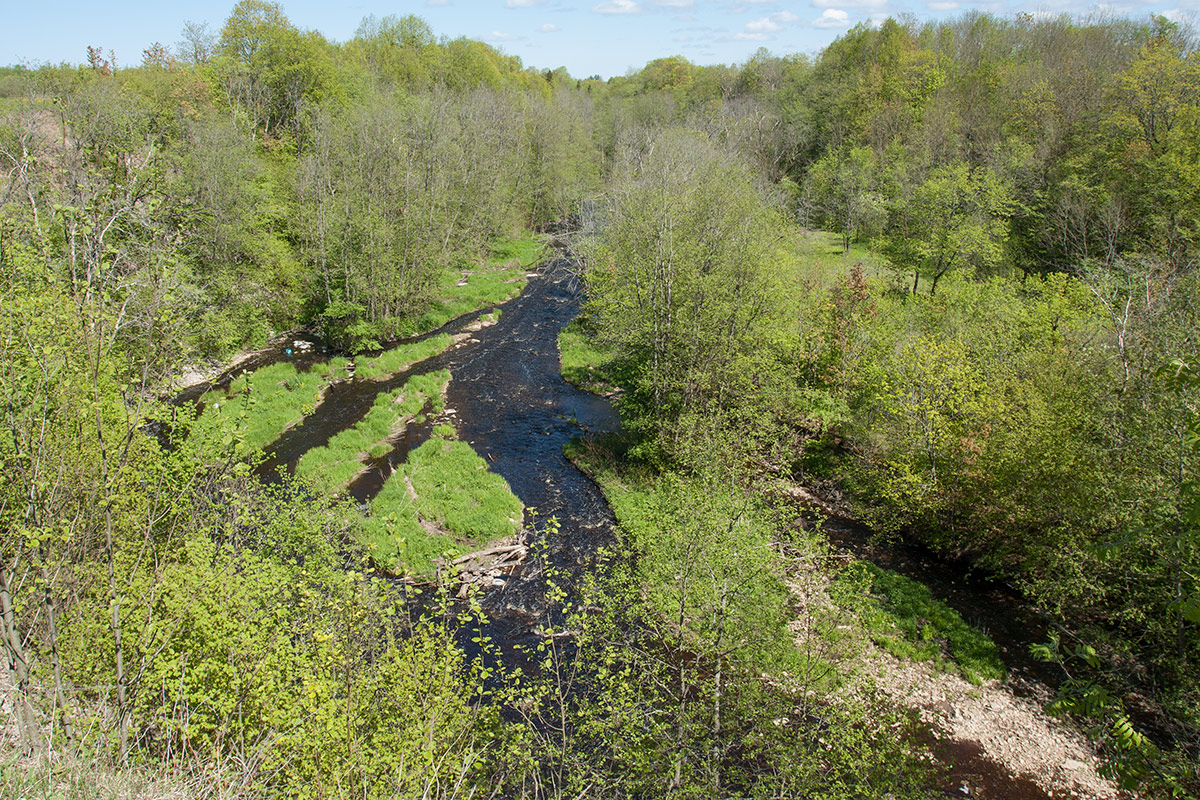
[(901, 616)]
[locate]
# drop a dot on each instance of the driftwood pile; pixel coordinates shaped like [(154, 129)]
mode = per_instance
[(489, 567)]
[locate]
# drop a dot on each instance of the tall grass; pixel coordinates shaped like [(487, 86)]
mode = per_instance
[(259, 406), (401, 357), (454, 492), (523, 251), (331, 467)]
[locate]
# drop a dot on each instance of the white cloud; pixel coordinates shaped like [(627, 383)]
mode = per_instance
[(675, 3), (617, 7), (522, 3), (438, 3), (942, 5), (764, 25), (500, 36), (832, 18), (760, 30), (549, 27)]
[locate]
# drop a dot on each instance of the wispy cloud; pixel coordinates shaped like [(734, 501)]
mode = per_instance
[(438, 3), (832, 18), (761, 30), (837, 4), (617, 7), (942, 5), (675, 3), (523, 3), (500, 36), (549, 27)]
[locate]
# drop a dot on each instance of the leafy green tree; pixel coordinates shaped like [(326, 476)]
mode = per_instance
[(845, 188), (956, 219), (679, 282)]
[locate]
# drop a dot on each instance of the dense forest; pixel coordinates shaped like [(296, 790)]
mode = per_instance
[(942, 279)]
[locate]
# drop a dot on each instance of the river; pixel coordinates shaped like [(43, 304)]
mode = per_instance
[(508, 400)]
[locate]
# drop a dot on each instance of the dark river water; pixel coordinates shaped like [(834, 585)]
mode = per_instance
[(508, 400)]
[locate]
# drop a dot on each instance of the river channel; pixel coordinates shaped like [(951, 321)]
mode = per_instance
[(507, 398)]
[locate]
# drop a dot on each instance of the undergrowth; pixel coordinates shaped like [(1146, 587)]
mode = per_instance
[(903, 617)]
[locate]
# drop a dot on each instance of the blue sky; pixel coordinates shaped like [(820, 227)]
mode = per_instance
[(605, 37)]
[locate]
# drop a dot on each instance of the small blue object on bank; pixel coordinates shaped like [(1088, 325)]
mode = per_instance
[(288, 351)]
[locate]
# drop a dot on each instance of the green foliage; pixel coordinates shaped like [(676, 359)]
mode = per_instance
[(680, 288), (1134, 761), (676, 638), (954, 220), (342, 325), (905, 619), (843, 187)]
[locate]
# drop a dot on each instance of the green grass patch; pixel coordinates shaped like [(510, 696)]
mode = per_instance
[(584, 362), (822, 255), (331, 467), (454, 491), (259, 406), (523, 251), (401, 357), (903, 618)]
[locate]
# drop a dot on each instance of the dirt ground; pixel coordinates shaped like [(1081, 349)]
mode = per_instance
[(996, 738)]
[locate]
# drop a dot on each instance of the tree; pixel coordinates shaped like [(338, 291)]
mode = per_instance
[(197, 44), (845, 186), (956, 219), (679, 280)]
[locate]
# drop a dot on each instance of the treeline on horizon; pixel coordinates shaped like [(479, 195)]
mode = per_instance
[(1000, 362)]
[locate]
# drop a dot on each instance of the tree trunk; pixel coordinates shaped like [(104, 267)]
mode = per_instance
[(115, 624), (60, 695), (18, 663)]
